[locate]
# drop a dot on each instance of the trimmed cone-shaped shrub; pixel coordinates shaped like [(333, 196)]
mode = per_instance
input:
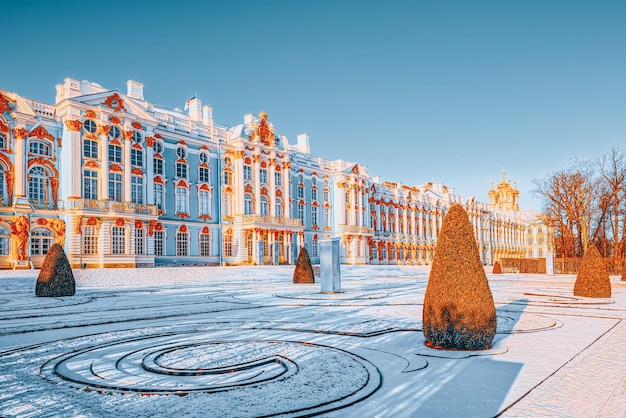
[(56, 277), (593, 279), (303, 272), (497, 269), (459, 312)]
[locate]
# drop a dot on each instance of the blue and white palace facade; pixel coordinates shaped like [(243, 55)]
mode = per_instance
[(122, 182)]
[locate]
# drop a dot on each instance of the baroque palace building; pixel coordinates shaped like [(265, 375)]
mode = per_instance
[(121, 182)]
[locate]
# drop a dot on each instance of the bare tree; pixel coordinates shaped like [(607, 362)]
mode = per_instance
[(613, 171)]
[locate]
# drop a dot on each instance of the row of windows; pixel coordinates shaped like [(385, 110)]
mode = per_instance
[(40, 241), (119, 242)]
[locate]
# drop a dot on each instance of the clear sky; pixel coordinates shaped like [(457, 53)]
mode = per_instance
[(444, 91)]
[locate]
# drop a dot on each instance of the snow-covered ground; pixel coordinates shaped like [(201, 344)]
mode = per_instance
[(247, 342)]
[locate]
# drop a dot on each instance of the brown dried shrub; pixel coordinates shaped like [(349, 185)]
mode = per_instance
[(592, 280), (459, 312), (55, 278), (304, 271), (497, 269)]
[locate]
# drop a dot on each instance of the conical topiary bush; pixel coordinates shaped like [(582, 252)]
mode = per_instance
[(593, 279), (303, 272), (459, 312), (55, 277), (497, 269)]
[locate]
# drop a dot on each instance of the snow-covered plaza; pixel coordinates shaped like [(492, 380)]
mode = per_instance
[(247, 342)]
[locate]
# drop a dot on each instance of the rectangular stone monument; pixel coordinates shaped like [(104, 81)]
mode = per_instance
[(330, 265), (550, 264)]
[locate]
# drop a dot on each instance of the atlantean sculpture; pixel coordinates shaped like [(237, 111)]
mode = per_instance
[(304, 271), (55, 278), (459, 312), (593, 279)]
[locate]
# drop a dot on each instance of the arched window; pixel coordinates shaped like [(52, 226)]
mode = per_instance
[(159, 196), (264, 206), (38, 187), (205, 244), (40, 241), (4, 241), (3, 140), (39, 148)]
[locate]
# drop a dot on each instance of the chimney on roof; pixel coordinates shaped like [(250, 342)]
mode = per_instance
[(194, 105), (303, 144), (134, 89)]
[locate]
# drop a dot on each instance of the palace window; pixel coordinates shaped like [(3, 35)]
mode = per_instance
[(158, 165), (157, 147), (313, 194), (205, 244), (3, 140), (326, 196), (115, 187), (228, 204), (136, 157), (40, 241), (114, 132), (39, 148), (181, 153), (228, 245), (90, 126), (182, 200), (182, 243), (181, 170), (228, 177), (136, 191), (139, 241), (315, 247), (136, 137), (300, 192), (38, 183), (203, 157), (90, 184), (326, 217), (247, 172), (264, 206), (159, 196), (263, 175), (90, 240), (115, 153), (301, 212), (278, 178), (204, 174), (90, 148), (4, 241), (314, 220), (204, 202), (247, 204), (118, 240), (279, 208), (159, 240)]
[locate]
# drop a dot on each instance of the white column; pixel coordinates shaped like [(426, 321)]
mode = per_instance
[(127, 166)]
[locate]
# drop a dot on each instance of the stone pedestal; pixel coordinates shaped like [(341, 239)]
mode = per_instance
[(330, 265), (550, 264)]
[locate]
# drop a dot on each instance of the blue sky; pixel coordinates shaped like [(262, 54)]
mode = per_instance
[(446, 91)]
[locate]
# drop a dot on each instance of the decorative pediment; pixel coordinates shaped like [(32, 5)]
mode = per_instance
[(41, 132), (5, 104)]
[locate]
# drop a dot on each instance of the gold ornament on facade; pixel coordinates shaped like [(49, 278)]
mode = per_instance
[(90, 114), (5, 104), (103, 130), (73, 125), (41, 132), (20, 133), (19, 229), (115, 102), (128, 135)]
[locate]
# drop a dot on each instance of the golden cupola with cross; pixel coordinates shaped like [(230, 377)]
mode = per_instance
[(505, 197)]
